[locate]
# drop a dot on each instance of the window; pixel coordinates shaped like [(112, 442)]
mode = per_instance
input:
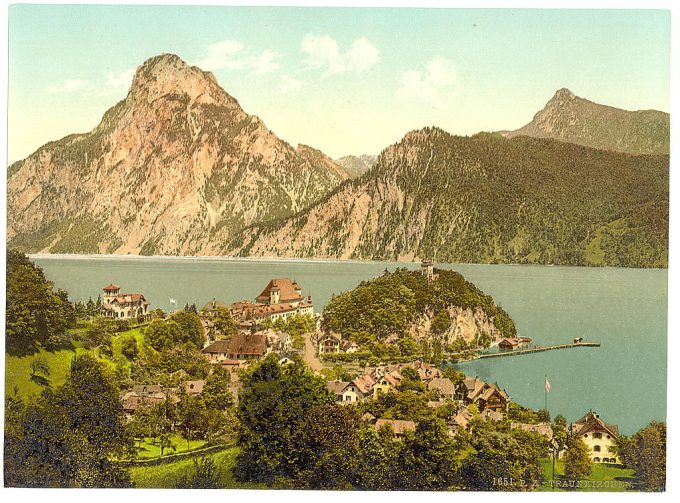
[(597, 460), (597, 435), (610, 448), (596, 448)]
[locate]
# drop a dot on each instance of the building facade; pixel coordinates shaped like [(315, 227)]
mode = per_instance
[(124, 306)]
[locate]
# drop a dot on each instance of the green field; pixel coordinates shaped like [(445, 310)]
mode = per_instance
[(602, 478), (18, 368), (166, 475), (149, 449)]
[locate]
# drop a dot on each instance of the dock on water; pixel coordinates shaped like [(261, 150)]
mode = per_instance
[(538, 349)]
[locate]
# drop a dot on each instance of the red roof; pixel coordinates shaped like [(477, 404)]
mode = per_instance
[(289, 291), (111, 287)]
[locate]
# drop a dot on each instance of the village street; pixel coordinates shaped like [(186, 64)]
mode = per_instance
[(310, 354)]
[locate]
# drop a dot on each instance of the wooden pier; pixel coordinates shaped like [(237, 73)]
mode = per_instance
[(538, 349)]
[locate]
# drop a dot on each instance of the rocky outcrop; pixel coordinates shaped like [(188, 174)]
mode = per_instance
[(466, 323), (177, 167)]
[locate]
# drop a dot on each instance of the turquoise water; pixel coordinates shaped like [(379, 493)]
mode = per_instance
[(623, 309)]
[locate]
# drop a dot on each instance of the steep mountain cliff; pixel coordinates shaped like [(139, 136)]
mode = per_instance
[(357, 165), (172, 169), (485, 199), (566, 117)]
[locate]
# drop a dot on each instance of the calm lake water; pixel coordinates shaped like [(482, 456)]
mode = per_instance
[(623, 309)]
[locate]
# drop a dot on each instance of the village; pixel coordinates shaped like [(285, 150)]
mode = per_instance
[(456, 397)]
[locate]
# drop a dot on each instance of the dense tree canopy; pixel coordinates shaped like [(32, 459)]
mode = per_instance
[(35, 312), (389, 304), (69, 437)]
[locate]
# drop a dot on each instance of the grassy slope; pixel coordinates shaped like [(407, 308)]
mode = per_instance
[(166, 475), (151, 450), (18, 369), (602, 478)]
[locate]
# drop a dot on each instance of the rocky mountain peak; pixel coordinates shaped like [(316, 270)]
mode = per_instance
[(564, 94), (168, 75)]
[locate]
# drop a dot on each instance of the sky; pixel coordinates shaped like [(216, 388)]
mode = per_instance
[(344, 80)]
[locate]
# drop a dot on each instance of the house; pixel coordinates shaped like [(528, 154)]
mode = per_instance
[(365, 385), (494, 399), (600, 437), (194, 388), (345, 392), (387, 383), (511, 343), (217, 351), (459, 421), (278, 342), (399, 427), (426, 371), (243, 346), (123, 306), (443, 388), (329, 343), (349, 347), (485, 395), (146, 395)]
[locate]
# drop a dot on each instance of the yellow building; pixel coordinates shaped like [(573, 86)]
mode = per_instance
[(599, 436)]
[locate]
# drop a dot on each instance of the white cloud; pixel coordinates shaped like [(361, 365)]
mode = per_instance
[(290, 84), (323, 52), (68, 86), (118, 82), (265, 63), (434, 86), (222, 55), (228, 54)]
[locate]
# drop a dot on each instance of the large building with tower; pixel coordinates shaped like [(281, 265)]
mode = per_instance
[(122, 306)]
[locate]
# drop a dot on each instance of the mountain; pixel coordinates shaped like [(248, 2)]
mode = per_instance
[(177, 167), (485, 199), (566, 117), (357, 165)]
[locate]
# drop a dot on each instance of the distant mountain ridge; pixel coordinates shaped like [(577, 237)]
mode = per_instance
[(357, 165), (566, 117), (178, 168), (485, 199), (172, 169)]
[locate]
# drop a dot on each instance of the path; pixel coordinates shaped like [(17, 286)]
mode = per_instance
[(310, 354)]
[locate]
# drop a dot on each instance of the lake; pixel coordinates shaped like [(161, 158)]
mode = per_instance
[(623, 309)]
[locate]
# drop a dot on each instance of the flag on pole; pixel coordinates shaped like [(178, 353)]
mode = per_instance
[(547, 385), (173, 301)]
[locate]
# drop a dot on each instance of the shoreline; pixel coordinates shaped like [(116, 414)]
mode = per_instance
[(253, 259)]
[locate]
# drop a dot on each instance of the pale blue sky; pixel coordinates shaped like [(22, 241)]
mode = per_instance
[(347, 81)]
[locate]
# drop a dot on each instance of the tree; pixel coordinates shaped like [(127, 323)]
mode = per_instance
[(191, 418), (39, 366), (162, 334), (190, 326), (456, 376), (68, 437), (577, 459), (326, 446), (98, 332), (273, 402), (129, 347), (204, 475), (34, 311), (216, 393), (223, 322), (645, 452), (499, 455), (428, 459)]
